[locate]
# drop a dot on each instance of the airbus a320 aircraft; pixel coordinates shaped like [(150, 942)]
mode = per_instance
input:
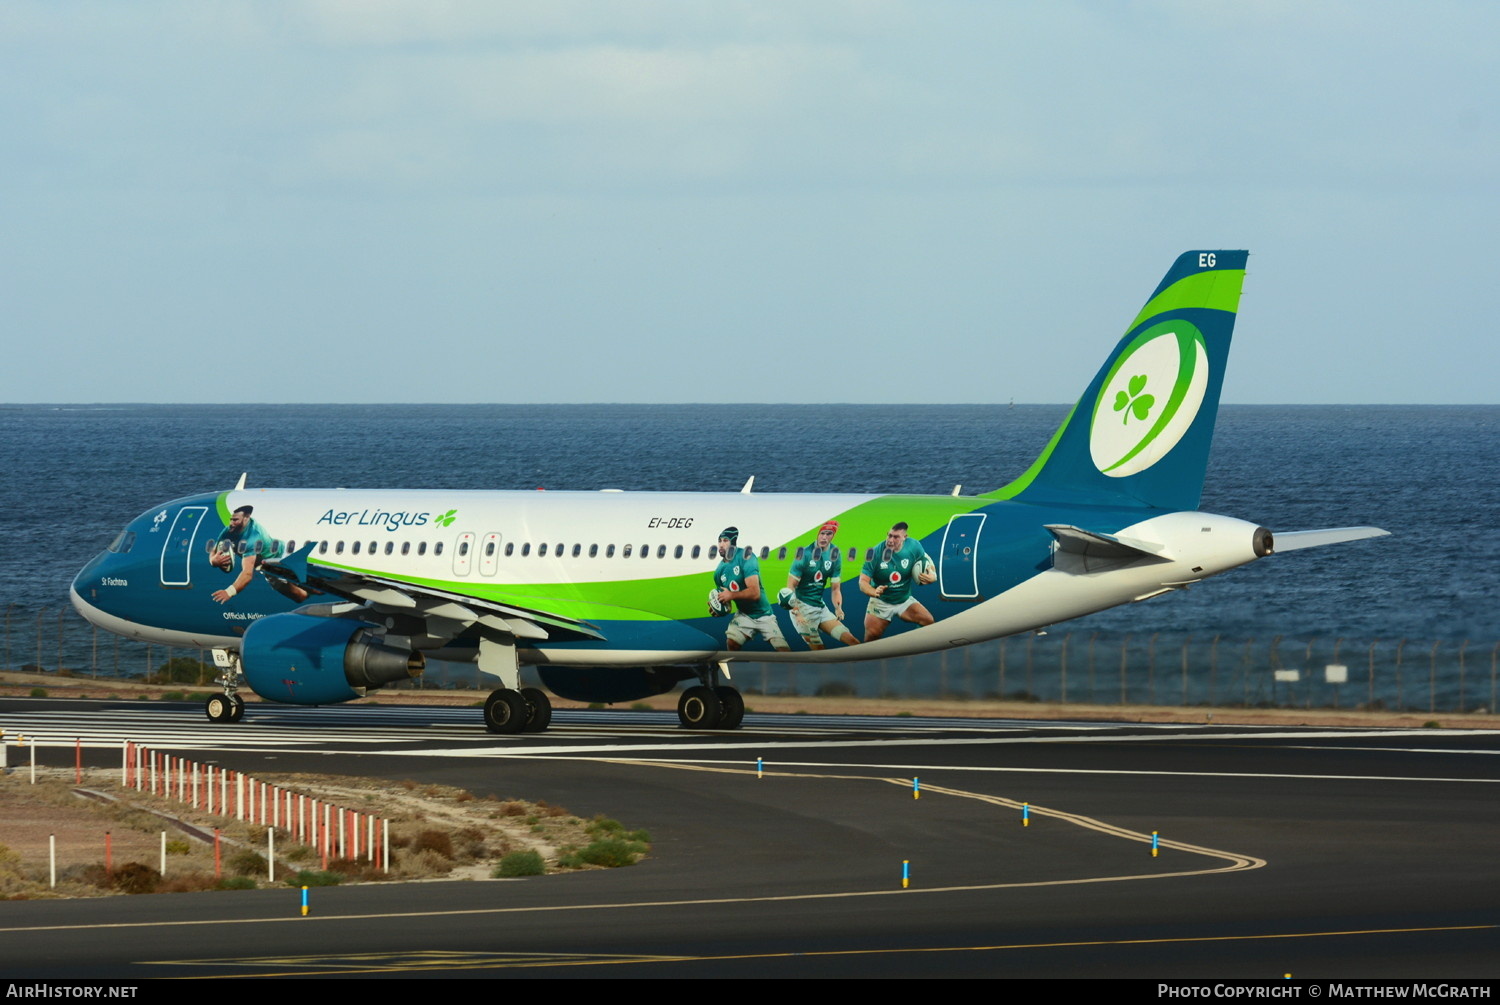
[(318, 596)]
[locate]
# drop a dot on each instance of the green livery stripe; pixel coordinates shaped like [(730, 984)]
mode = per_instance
[(677, 598), (1217, 290), (223, 507), (1018, 486)]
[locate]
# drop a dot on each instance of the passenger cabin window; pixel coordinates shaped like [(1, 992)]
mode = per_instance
[(782, 553), (437, 549), (526, 549), (609, 551), (695, 550), (625, 552), (645, 551), (853, 552), (463, 548), (421, 548), (390, 546), (338, 549), (541, 551), (322, 547), (765, 551), (593, 551), (661, 551), (489, 549), (677, 552), (355, 549), (510, 548), (406, 547), (869, 554), (577, 550), (800, 551)]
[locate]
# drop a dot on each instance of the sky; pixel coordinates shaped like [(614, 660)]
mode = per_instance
[(724, 201)]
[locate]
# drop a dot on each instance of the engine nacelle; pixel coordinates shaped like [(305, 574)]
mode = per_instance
[(610, 684), (301, 659)]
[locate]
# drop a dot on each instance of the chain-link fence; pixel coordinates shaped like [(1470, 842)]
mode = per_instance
[(1270, 671)]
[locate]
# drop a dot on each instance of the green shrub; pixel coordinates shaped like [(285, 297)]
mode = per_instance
[(314, 877), (177, 846), (182, 670), (520, 863), (611, 853), (134, 877), (39, 692), (236, 883), (173, 696), (246, 863)]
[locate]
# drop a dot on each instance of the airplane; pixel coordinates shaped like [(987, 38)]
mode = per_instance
[(320, 596)]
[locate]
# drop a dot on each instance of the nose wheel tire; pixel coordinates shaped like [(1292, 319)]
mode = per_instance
[(538, 710), (699, 708), (219, 708), (505, 711)]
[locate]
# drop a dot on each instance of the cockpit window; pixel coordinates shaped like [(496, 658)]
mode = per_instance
[(123, 542)]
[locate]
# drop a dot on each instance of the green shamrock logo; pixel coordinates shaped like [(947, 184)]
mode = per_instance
[(1135, 401), (447, 518)]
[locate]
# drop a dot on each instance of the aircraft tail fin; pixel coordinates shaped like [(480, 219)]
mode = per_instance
[(1140, 434)]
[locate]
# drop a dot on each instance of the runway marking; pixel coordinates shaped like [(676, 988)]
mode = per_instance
[(430, 959), (1237, 861), (999, 769), (474, 961)]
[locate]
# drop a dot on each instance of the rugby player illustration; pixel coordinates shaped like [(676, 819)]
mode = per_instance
[(815, 578), (737, 582), (887, 580), (246, 538)]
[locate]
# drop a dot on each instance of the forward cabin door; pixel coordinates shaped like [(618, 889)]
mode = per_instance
[(177, 549)]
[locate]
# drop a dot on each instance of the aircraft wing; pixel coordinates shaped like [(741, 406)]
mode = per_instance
[(1297, 539), (457, 610)]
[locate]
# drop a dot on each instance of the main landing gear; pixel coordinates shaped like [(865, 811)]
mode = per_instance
[(513, 708), (229, 706), (508, 710), (711, 705)]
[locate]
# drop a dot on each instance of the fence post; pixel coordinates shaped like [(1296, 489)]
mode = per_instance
[(1432, 678), (1461, 669), (1093, 637)]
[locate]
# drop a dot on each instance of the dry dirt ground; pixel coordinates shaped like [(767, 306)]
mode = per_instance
[(435, 832)]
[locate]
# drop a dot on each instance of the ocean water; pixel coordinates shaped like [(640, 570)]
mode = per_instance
[(71, 475)]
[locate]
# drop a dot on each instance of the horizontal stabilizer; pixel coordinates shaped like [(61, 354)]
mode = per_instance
[(1293, 540)]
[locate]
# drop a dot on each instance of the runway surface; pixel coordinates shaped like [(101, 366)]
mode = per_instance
[(1317, 852)]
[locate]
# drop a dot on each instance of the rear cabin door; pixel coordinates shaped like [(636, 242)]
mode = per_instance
[(958, 561)]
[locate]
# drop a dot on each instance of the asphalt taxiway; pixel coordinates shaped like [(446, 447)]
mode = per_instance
[(1317, 852)]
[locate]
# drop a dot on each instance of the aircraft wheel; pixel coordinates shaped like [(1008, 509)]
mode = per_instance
[(218, 708), (538, 710), (505, 711), (238, 711), (734, 707), (699, 708)]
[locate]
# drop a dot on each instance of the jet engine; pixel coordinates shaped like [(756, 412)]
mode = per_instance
[(302, 659)]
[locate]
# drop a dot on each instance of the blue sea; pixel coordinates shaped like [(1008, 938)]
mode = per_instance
[(73, 474)]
